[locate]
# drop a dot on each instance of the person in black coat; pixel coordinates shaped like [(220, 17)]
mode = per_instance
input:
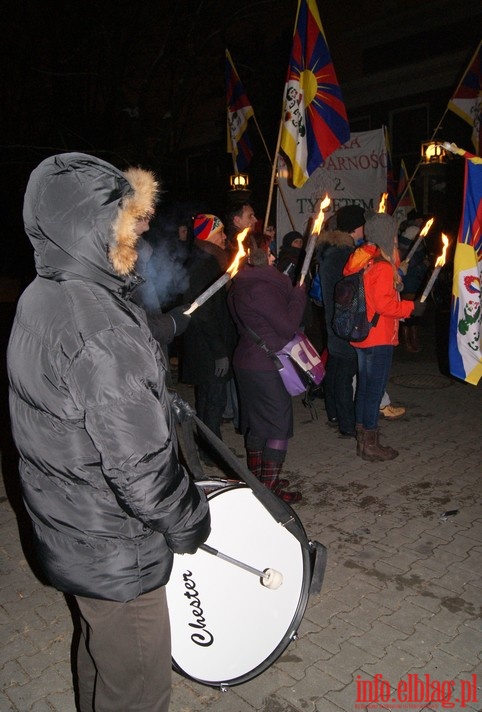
[(209, 340), (333, 249), (108, 498)]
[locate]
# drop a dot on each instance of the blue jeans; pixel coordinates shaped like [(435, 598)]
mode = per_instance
[(374, 365)]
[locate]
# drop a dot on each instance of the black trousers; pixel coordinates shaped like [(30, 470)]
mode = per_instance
[(124, 655), (210, 404), (339, 396)]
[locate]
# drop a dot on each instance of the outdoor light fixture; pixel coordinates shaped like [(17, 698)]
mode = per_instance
[(433, 152), (239, 181)]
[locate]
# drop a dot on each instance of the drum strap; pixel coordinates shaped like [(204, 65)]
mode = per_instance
[(279, 510)]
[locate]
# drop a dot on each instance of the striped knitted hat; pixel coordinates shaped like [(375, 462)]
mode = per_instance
[(205, 225)]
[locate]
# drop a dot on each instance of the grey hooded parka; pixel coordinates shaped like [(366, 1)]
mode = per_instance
[(90, 413)]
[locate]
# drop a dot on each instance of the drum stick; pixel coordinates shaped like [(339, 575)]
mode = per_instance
[(270, 578)]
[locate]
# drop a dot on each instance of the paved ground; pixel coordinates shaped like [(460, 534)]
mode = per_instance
[(402, 592)]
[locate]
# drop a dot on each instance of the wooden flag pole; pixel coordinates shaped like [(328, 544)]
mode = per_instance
[(262, 138), (273, 176)]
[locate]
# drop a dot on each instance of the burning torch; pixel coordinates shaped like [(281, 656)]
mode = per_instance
[(224, 278), (424, 231), (382, 205), (312, 239), (439, 263)]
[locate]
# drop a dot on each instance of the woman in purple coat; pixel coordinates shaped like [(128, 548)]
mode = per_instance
[(263, 300)]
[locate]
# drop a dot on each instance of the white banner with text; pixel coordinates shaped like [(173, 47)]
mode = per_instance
[(355, 174)]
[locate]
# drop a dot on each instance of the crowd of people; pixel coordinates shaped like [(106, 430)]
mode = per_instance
[(219, 346), (88, 359)]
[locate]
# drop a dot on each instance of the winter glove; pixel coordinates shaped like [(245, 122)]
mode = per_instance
[(403, 269), (181, 410), (419, 308), (221, 366), (180, 318)]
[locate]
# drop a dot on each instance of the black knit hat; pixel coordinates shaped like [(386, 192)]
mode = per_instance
[(349, 217), (290, 237)]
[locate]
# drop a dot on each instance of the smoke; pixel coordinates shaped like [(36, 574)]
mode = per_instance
[(167, 269)]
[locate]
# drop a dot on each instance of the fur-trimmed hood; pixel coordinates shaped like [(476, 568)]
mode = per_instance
[(80, 215), (337, 238)]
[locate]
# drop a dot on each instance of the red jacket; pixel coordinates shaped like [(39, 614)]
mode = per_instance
[(381, 296)]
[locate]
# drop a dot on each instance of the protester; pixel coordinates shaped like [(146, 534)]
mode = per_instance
[(107, 496), (263, 299), (334, 248), (238, 216), (209, 340), (382, 290), (164, 327), (413, 279), (291, 255)]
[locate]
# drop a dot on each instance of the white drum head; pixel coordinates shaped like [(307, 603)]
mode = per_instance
[(226, 626)]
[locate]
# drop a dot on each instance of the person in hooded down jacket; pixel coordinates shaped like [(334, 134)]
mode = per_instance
[(91, 419)]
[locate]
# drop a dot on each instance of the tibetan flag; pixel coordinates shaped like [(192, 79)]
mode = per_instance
[(314, 122), (239, 113), (467, 99), (465, 349)]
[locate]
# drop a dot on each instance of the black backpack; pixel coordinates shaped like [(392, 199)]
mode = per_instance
[(350, 320)]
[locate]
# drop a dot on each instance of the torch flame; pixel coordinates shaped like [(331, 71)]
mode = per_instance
[(319, 220), (382, 206), (426, 227), (234, 266), (440, 261)]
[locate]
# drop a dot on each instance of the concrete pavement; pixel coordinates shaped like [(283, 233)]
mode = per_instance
[(398, 618)]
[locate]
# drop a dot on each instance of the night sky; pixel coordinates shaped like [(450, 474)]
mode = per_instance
[(143, 83)]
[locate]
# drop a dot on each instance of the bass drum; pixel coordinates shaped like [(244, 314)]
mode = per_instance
[(226, 626)]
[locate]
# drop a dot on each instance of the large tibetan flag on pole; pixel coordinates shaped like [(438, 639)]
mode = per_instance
[(314, 121), (465, 349), (239, 113), (467, 99)]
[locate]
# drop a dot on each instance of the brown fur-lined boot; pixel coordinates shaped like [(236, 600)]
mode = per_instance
[(373, 451)]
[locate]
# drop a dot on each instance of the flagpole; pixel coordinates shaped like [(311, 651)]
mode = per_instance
[(261, 136), (439, 125), (273, 176)]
